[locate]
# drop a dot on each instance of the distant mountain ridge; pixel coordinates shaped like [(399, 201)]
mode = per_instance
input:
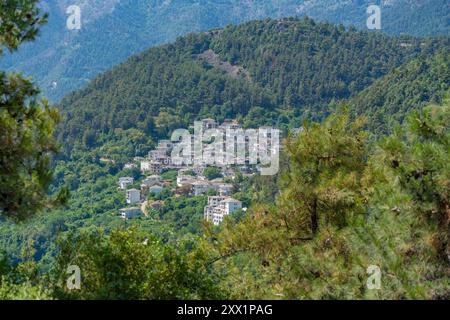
[(62, 60)]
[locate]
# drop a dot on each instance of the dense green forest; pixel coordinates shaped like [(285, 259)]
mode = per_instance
[(365, 183), (345, 204)]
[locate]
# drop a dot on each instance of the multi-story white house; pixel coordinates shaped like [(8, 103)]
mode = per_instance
[(219, 206), (153, 166), (133, 196), (231, 205), (157, 166), (213, 201), (226, 207)]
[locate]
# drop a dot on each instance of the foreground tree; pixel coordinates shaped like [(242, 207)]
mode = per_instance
[(26, 122), (418, 158), (129, 265), (344, 211), (323, 181)]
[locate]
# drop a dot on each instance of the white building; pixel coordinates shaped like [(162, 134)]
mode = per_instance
[(133, 196), (213, 201), (145, 165), (129, 213), (129, 165), (125, 181), (153, 166), (185, 180), (231, 205), (218, 207)]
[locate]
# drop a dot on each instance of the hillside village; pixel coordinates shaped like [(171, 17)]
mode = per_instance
[(190, 180)]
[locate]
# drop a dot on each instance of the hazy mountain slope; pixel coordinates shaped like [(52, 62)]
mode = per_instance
[(414, 17), (297, 65), (62, 60)]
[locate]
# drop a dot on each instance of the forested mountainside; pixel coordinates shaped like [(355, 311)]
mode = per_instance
[(61, 60), (293, 68), (408, 87)]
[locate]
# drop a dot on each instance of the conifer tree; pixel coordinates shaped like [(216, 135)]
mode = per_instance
[(26, 122)]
